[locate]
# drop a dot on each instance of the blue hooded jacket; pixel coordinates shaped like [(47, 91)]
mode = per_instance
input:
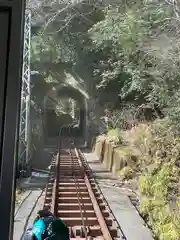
[(39, 228), (50, 228)]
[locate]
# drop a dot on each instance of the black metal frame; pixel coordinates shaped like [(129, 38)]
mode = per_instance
[(11, 43)]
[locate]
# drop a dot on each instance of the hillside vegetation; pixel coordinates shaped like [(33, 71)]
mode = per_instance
[(155, 151), (126, 52)]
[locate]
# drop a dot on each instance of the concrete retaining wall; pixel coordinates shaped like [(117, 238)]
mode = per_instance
[(113, 158), (99, 147)]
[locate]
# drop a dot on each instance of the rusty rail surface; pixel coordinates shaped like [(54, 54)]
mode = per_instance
[(73, 195)]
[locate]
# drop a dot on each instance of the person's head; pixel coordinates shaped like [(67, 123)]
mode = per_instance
[(44, 213)]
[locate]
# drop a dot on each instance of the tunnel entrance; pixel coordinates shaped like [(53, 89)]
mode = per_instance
[(65, 109)]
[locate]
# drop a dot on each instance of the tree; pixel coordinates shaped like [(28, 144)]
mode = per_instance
[(135, 63), (128, 50)]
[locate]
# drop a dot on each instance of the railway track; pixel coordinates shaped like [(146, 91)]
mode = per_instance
[(73, 195)]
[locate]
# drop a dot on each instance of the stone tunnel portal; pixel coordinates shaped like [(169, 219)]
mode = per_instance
[(56, 119)]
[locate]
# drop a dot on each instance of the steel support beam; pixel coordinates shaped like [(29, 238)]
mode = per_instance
[(11, 39), (24, 134)]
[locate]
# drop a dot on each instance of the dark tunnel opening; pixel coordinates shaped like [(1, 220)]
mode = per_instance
[(58, 116)]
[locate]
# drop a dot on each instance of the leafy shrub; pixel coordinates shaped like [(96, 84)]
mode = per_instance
[(126, 173), (115, 136)]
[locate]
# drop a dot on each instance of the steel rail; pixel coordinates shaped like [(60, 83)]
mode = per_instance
[(106, 203), (50, 177), (99, 215), (54, 203), (78, 188)]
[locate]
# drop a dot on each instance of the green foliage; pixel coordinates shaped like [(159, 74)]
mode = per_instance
[(156, 189), (115, 49), (126, 173), (115, 136), (160, 218), (122, 34), (128, 52), (145, 185), (131, 38), (114, 132), (157, 185)]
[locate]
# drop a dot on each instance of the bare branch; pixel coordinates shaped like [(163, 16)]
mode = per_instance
[(55, 16), (67, 23), (176, 6)]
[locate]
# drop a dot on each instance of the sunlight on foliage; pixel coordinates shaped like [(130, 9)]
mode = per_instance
[(126, 173)]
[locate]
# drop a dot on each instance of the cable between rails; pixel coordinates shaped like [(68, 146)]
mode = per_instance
[(78, 190), (79, 196)]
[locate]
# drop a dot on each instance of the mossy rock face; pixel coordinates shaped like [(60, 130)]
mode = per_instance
[(128, 154), (153, 168), (123, 157)]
